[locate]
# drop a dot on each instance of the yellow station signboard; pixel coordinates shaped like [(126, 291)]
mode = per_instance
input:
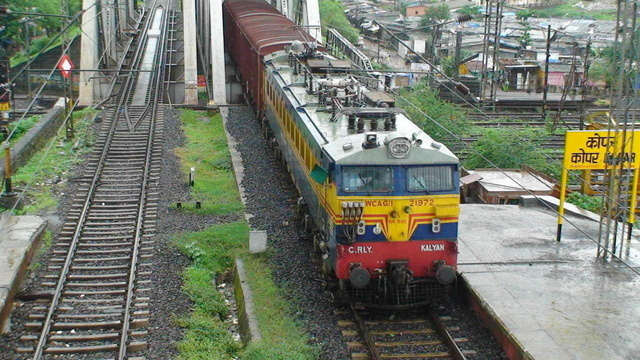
[(5, 106), (601, 149)]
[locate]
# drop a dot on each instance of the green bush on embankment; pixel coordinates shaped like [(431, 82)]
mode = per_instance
[(48, 167), (207, 151), (212, 252)]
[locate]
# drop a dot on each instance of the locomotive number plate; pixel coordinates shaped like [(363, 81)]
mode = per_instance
[(420, 202)]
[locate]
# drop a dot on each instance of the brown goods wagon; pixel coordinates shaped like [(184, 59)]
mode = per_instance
[(253, 29)]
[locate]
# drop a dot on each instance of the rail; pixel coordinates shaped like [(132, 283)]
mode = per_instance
[(112, 216)]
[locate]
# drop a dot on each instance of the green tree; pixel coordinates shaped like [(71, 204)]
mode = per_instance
[(524, 15), (441, 113), (332, 16), (511, 148), (525, 40), (472, 10), (435, 14), (448, 66)]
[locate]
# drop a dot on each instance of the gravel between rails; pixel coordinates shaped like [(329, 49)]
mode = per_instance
[(271, 198), (167, 302), (296, 269)]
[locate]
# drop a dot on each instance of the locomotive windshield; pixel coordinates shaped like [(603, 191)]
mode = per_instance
[(430, 178), (367, 179)]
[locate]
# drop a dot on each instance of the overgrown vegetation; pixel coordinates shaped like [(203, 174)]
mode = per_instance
[(212, 252), (332, 16), (19, 128), (590, 203), (37, 45), (47, 168), (207, 152), (442, 114), (39, 26), (569, 10), (512, 148), (435, 14)]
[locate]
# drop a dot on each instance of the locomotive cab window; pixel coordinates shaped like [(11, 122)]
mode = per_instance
[(367, 179), (430, 178)]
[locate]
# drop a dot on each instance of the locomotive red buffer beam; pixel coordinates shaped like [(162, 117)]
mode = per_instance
[(362, 261)]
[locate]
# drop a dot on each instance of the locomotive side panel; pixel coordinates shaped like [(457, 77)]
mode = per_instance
[(388, 235)]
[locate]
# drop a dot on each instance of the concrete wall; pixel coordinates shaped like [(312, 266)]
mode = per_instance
[(34, 139)]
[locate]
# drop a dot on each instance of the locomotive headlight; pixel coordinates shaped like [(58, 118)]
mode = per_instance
[(399, 148)]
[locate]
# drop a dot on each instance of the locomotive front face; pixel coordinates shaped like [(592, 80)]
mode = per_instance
[(382, 194), (396, 212)]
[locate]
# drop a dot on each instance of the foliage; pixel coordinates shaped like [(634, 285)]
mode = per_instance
[(512, 148), (282, 338), (441, 113), (380, 66), (525, 40), (472, 10), (212, 252), (332, 15), (569, 10), (206, 149), (435, 14), (19, 128), (524, 15), (14, 25), (47, 168), (601, 70), (590, 203), (448, 66), (206, 338)]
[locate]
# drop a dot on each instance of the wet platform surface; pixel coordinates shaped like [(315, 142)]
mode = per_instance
[(556, 299), (18, 237)]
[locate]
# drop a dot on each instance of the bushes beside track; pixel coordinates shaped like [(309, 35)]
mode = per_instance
[(212, 252)]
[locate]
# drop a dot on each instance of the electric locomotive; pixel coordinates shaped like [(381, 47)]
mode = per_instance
[(382, 195)]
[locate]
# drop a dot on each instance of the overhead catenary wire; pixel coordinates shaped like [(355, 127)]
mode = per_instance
[(508, 176), (627, 265), (523, 140), (39, 166)]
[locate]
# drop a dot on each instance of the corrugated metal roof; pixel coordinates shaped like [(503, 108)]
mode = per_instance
[(512, 180)]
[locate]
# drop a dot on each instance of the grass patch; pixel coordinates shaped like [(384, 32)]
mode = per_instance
[(568, 10), (45, 245), (46, 169), (206, 150), (212, 252), (19, 128), (282, 338)]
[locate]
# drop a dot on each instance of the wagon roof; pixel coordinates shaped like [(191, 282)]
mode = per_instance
[(264, 26)]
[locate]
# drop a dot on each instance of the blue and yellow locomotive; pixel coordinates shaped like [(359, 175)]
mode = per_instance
[(382, 194)]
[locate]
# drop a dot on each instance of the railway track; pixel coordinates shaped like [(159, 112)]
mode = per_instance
[(406, 335), (99, 273)]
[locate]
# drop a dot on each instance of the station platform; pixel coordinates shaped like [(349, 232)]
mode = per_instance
[(549, 300), (18, 240)]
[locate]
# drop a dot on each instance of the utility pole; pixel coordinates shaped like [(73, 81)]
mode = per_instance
[(620, 200), (68, 92), (457, 56), (28, 40), (545, 87), (492, 30)]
